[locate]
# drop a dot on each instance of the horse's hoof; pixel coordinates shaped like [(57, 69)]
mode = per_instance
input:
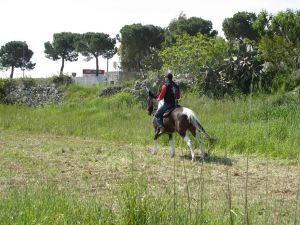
[(172, 155)]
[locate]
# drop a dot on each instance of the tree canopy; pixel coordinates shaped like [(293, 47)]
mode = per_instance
[(92, 45), (62, 47), (280, 37), (190, 53), (16, 54), (191, 26), (139, 42), (239, 26)]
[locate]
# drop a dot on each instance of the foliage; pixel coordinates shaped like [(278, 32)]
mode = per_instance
[(286, 80), (240, 72), (190, 53), (62, 47), (28, 82), (139, 47), (240, 27), (16, 54), (4, 85), (279, 46), (92, 45), (61, 80), (275, 50), (287, 24), (262, 24), (191, 26)]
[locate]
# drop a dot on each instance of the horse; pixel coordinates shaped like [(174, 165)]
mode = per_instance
[(180, 120)]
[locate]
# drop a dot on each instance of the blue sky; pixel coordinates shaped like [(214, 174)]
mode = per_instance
[(35, 21)]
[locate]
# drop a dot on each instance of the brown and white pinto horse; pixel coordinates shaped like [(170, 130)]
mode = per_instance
[(180, 120)]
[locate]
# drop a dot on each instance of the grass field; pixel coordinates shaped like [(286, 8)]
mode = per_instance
[(89, 161)]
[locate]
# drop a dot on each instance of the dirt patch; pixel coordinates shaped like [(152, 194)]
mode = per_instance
[(88, 167)]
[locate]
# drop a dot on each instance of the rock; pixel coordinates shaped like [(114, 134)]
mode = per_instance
[(34, 96), (110, 91)]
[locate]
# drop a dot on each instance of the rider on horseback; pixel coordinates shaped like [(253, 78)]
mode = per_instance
[(169, 94)]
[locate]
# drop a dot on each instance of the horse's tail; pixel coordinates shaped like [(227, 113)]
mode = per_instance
[(195, 122)]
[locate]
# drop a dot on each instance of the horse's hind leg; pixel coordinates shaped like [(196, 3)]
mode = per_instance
[(202, 147), (189, 143), (171, 141)]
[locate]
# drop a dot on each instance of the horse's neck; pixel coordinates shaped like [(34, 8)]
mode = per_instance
[(155, 106)]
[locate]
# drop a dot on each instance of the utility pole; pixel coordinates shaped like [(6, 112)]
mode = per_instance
[(23, 61)]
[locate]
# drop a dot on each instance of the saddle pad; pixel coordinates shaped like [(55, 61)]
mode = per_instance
[(168, 111)]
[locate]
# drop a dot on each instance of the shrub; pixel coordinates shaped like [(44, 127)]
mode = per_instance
[(4, 85), (28, 82), (61, 80)]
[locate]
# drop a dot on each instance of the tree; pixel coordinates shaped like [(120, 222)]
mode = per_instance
[(139, 42), (239, 26), (280, 38), (279, 46), (16, 54), (92, 45), (191, 26), (190, 53), (109, 54), (262, 24), (62, 48), (287, 25)]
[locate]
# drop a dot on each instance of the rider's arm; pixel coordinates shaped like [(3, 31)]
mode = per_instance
[(162, 93)]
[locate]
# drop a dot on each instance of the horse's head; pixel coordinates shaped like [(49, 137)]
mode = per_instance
[(152, 103)]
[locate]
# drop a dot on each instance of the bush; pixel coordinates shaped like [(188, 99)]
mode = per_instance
[(4, 85), (28, 82), (61, 80)]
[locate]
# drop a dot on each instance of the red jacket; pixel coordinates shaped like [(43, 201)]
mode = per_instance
[(163, 93)]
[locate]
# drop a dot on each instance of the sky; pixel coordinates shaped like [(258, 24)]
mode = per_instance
[(35, 21)]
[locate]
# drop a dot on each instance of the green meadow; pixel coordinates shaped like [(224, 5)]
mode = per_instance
[(89, 161)]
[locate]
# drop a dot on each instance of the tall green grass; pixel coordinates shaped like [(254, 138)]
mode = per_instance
[(270, 128), (134, 205), (48, 205)]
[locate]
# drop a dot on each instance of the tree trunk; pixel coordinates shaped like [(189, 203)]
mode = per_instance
[(12, 72), (62, 66), (97, 66), (107, 65)]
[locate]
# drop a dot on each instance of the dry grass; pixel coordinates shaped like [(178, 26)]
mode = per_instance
[(90, 168)]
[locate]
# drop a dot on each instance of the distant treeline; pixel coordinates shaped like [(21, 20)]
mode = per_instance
[(260, 52)]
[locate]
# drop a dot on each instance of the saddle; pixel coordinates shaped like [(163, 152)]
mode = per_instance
[(168, 111)]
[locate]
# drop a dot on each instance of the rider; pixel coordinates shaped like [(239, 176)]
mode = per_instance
[(169, 93)]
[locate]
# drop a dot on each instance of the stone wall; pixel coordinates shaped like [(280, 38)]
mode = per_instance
[(33, 95), (90, 80)]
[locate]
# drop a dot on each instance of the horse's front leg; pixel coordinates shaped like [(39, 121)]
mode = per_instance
[(171, 141), (156, 136)]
